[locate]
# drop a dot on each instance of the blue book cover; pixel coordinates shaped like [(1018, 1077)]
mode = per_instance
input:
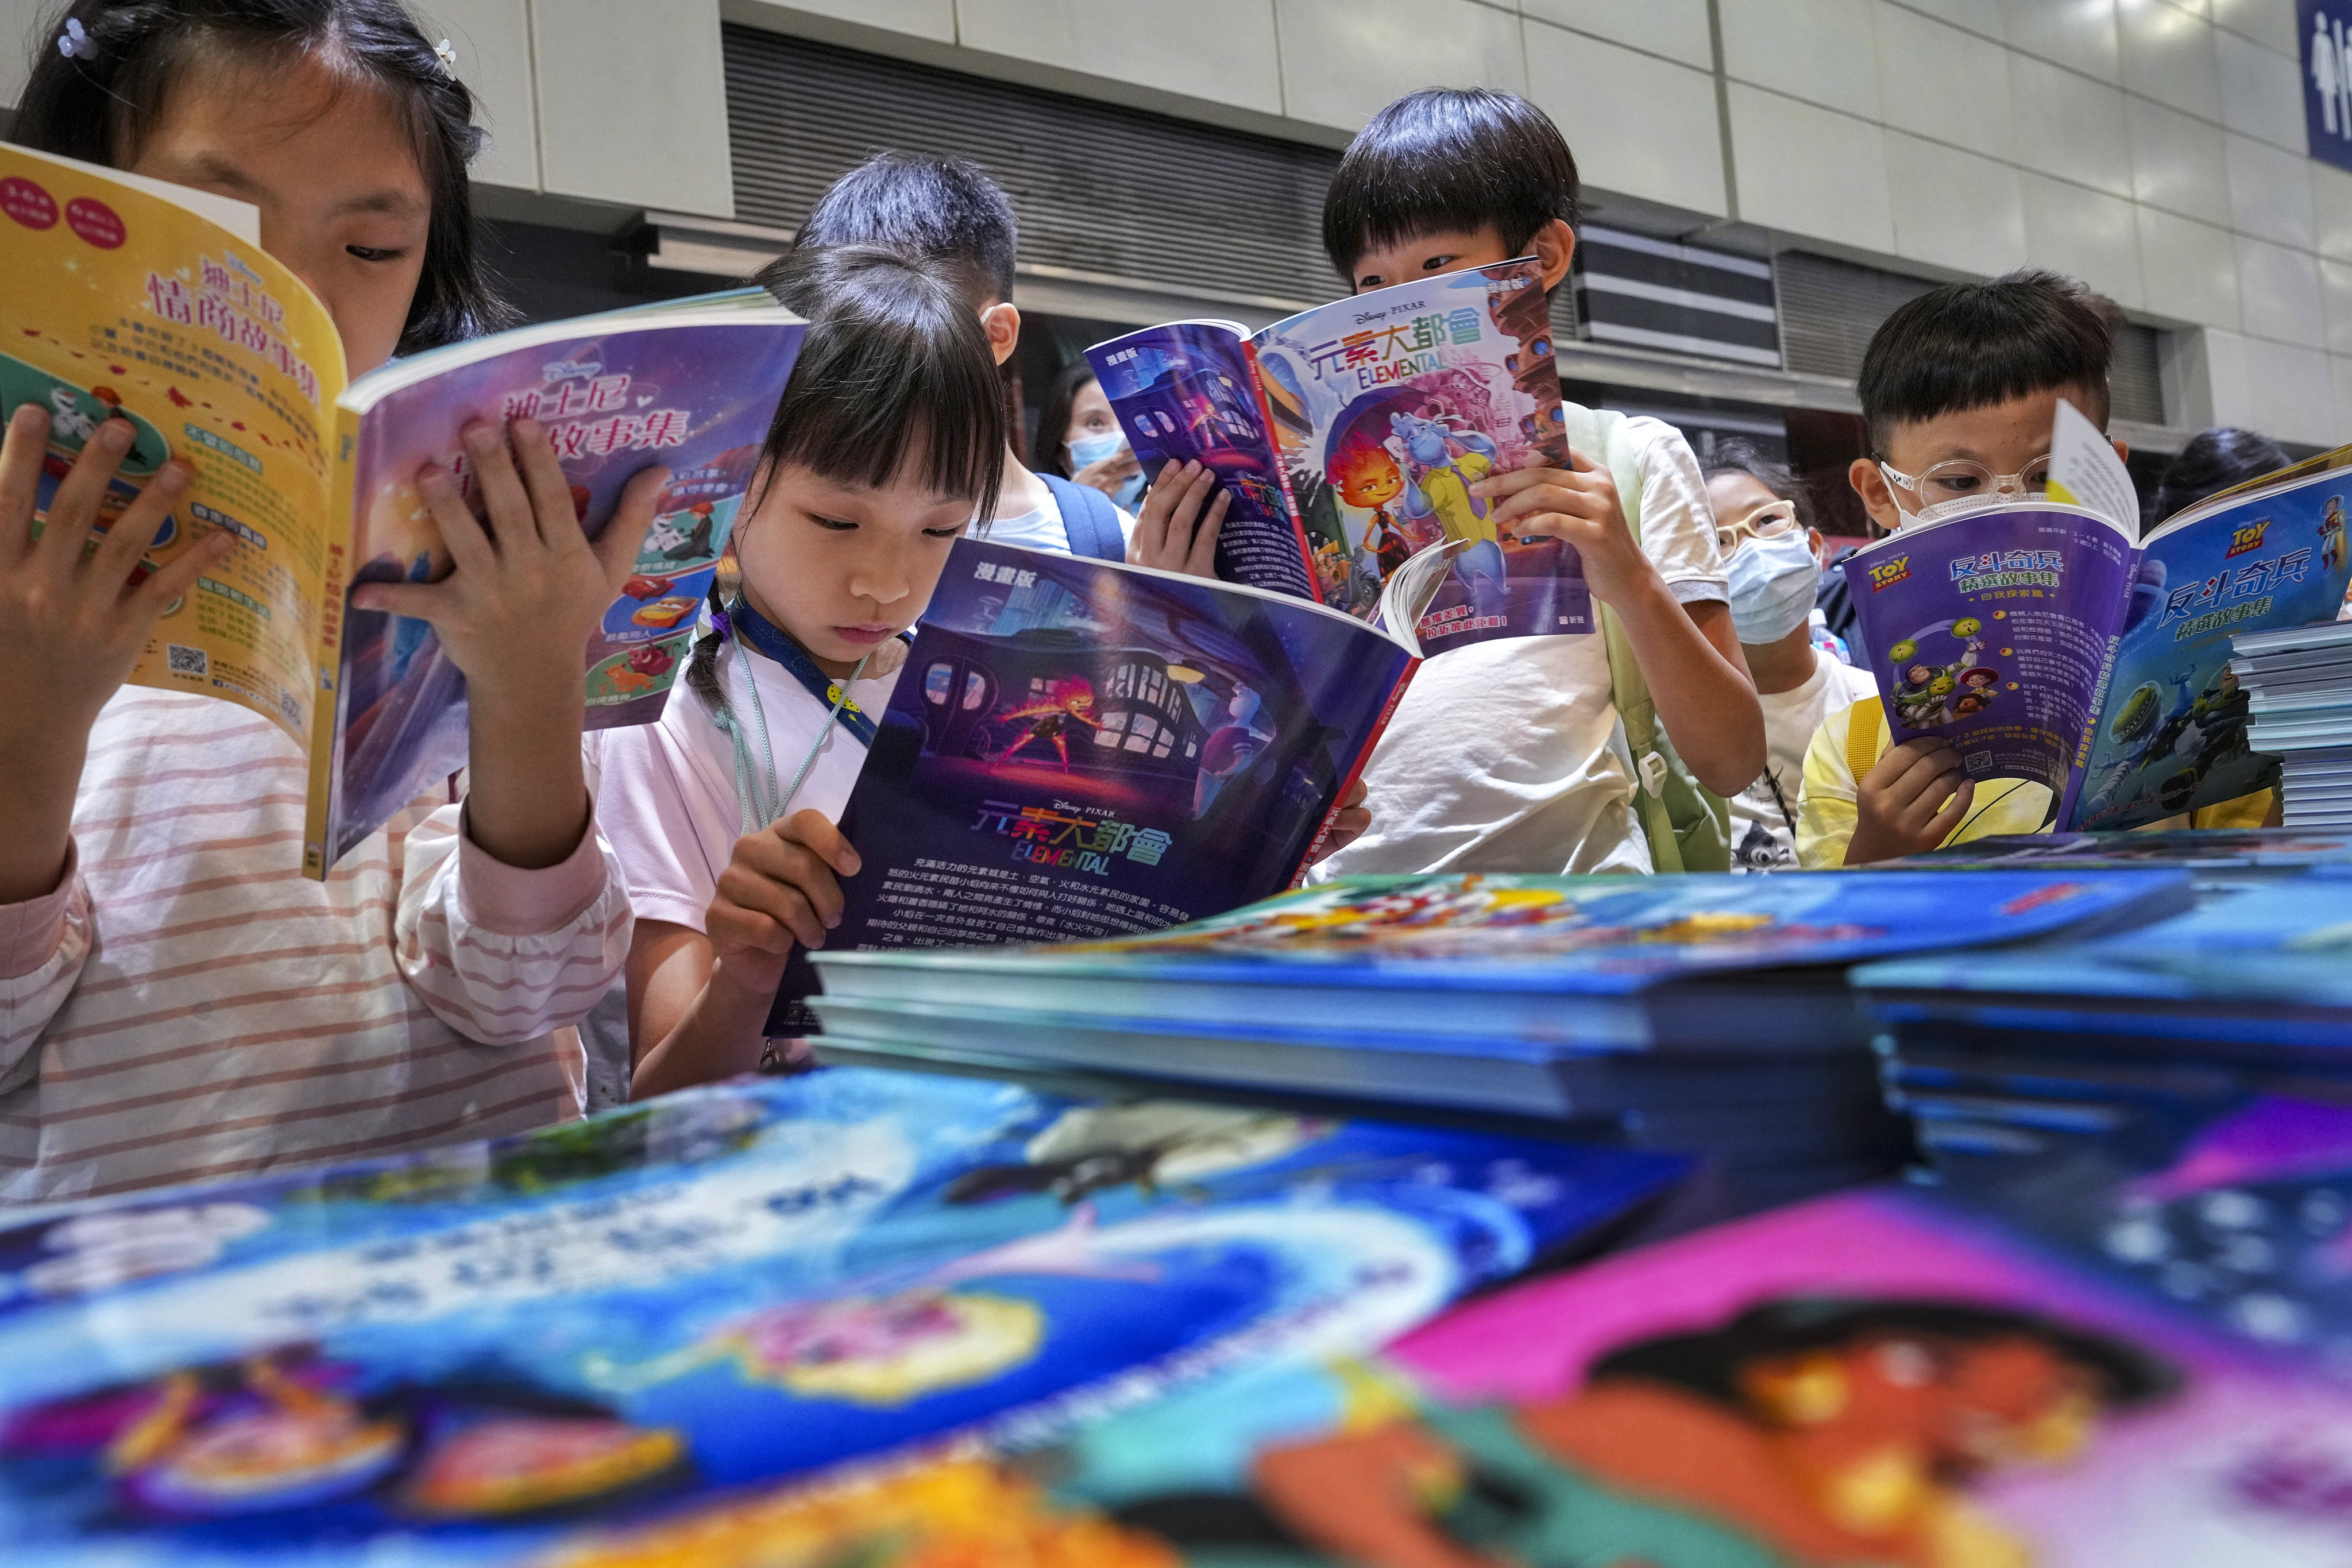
[(462, 1355), (1570, 935)]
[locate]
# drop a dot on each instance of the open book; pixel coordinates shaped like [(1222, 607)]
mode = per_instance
[(1077, 750), (1349, 436), (127, 297), (2044, 643)]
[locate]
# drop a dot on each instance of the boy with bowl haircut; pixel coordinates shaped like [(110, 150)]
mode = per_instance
[(1510, 756)]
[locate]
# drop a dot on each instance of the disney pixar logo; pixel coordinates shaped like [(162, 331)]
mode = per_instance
[(2249, 537), (1887, 573)]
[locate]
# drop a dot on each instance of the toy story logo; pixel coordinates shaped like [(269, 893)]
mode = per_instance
[(2247, 538), (230, 301), (1995, 569), (1045, 835), (1374, 356), (1887, 573), (571, 392), (2227, 597)]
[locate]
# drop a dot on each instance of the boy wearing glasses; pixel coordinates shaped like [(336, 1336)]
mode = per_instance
[(1768, 551), (1960, 389)]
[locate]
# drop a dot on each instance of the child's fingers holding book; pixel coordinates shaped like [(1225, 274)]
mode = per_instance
[(781, 885), (1177, 529), (1911, 798)]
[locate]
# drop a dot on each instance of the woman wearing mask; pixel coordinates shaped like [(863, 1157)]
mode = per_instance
[(1078, 439), (1768, 546)]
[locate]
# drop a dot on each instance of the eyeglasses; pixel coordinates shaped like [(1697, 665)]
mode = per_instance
[(1961, 479), (1774, 520)]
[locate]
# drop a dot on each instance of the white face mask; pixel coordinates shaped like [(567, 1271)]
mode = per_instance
[(1772, 583), (1088, 450)]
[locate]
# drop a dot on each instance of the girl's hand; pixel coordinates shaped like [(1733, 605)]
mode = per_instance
[(1177, 530), (1578, 504), (514, 615), (781, 886), (1111, 473), (1911, 798), (68, 607), (1348, 826)]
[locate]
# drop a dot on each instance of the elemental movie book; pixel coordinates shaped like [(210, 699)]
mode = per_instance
[(1349, 437), (496, 1351), (130, 298)]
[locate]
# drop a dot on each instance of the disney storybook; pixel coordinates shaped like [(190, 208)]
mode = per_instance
[(131, 297), (508, 1352), (2044, 642), (1347, 436), (1866, 1380)]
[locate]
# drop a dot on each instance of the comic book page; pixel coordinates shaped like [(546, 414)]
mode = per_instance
[(1991, 631), (501, 1352), (2172, 736), (693, 392), (1388, 407), (1187, 392), (121, 301)]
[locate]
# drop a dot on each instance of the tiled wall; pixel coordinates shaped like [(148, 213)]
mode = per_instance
[(2154, 147)]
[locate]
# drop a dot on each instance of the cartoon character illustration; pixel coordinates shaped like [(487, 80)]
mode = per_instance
[(1050, 717), (682, 536), (642, 672), (1153, 1143), (1440, 463), (1803, 1431), (2331, 534), (666, 612), (281, 1443), (1368, 477), (65, 417), (519, 1463), (1230, 750)]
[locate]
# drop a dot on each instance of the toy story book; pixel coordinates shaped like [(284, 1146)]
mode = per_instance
[(125, 301), (1722, 961), (496, 1351), (1868, 1380), (1347, 436), (2043, 642), (1080, 749)]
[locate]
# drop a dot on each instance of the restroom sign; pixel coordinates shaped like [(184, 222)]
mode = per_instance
[(2325, 28)]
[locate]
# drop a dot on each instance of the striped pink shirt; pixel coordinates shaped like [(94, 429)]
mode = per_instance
[(187, 1006)]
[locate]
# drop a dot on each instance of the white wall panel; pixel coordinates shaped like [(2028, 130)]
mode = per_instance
[(1343, 60), (1637, 124), (1229, 56), (1809, 171)]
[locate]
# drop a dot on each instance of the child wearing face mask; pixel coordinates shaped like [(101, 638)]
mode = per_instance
[(1078, 440), (1768, 545)]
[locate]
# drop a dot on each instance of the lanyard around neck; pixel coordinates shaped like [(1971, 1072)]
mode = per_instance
[(755, 634)]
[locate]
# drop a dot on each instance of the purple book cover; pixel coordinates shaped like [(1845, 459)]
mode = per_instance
[(693, 395)]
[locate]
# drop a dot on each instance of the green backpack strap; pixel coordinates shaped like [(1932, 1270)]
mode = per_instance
[(1689, 827)]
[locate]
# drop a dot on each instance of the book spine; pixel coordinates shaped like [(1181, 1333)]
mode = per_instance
[(1356, 769), (1281, 470), (326, 697), (2093, 712)]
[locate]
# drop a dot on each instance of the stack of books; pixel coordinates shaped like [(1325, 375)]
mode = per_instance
[(2297, 685), (1706, 1015)]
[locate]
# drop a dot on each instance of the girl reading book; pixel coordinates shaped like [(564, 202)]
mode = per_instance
[(176, 1000)]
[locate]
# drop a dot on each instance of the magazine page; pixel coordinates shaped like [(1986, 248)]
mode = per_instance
[(1080, 750), (2172, 735), (693, 395), (1187, 391), (1388, 408), (123, 300), (481, 1353), (1991, 630)]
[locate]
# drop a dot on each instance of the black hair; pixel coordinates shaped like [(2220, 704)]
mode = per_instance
[(1709, 1364), (1743, 458), (1449, 158), (1968, 345), (1053, 417), (946, 212), (894, 367), (2213, 461), (98, 105)]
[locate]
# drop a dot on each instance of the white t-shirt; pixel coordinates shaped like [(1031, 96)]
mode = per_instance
[(1042, 529), (668, 802), (1503, 756), (1763, 824)]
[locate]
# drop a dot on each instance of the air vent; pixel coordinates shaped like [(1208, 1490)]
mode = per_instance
[(1104, 194), (1639, 292)]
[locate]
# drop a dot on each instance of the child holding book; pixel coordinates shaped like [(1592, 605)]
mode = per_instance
[(947, 212), (1959, 392), (176, 1000), (1501, 756)]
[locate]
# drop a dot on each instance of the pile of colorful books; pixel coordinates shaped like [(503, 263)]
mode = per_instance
[(2298, 687)]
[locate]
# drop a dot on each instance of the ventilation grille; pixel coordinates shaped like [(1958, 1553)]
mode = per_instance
[(1646, 293), (2134, 381), (1101, 190)]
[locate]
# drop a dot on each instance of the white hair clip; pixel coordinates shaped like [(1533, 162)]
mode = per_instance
[(448, 58), (76, 44)]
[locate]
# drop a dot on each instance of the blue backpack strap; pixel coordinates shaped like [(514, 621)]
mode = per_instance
[(1088, 519)]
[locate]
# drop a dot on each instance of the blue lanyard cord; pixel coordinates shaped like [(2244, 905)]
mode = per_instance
[(754, 810)]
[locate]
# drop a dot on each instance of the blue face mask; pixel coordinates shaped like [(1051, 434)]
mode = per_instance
[(1772, 583), (1088, 450)]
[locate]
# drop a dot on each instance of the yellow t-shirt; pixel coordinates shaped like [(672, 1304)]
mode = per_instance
[(1842, 750)]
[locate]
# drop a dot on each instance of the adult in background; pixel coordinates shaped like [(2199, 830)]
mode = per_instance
[(1078, 439), (2213, 462)]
